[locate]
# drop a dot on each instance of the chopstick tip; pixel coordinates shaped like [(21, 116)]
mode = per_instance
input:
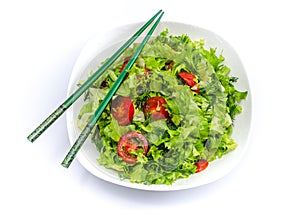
[(66, 165)]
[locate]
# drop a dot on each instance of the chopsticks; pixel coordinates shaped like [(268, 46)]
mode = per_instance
[(70, 100), (90, 125)]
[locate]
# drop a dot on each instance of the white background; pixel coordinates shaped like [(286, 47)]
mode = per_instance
[(39, 44)]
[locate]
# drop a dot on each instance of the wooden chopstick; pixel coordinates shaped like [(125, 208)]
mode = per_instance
[(90, 125), (69, 101)]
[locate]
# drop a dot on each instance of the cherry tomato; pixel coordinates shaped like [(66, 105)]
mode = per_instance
[(201, 165), (146, 70), (132, 141), (189, 79), (154, 107), (126, 60), (122, 110)]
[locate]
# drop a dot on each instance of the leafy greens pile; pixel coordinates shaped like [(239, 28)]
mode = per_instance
[(201, 123)]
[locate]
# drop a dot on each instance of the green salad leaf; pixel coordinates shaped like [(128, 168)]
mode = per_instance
[(199, 118)]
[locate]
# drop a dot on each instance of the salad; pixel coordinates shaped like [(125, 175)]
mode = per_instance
[(172, 115)]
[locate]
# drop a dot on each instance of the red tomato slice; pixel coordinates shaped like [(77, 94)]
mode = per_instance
[(122, 110), (154, 107), (201, 165), (189, 79), (132, 141)]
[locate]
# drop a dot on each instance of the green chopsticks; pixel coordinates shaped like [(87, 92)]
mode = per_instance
[(90, 125), (69, 101)]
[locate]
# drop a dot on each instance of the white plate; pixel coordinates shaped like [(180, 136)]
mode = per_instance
[(103, 46)]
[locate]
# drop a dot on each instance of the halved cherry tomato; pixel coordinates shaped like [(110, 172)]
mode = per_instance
[(146, 70), (154, 107), (132, 141), (126, 60), (122, 110), (201, 165), (189, 79)]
